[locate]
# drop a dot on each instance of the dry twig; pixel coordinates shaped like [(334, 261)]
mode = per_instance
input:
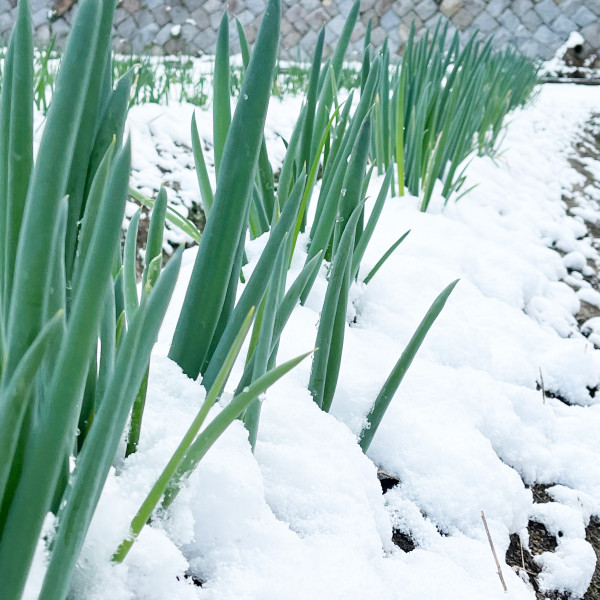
[(493, 551)]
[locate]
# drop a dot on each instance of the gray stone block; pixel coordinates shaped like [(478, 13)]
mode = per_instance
[(256, 6), (531, 20), (495, 7), (286, 27), (530, 48), (311, 5), (6, 23), (501, 38), (207, 39), (233, 6), (583, 16), (568, 7), (163, 35), (450, 7), (143, 18), (330, 37), (545, 36), (462, 19), (593, 5), (329, 7), (358, 35), (394, 37), (42, 33), (130, 5), (246, 17), (484, 23), (34, 5), (211, 6), (179, 14), (563, 26), (215, 20), (520, 37), (295, 13), (120, 15), (426, 9), (547, 52), (520, 7), (162, 15), (547, 11), (402, 7), (413, 17), (390, 20), (366, 15), (591, 34), (510, 20), (127, 29), (291, 40), (146, 36), (344, 8), (377, 36), (174, 45), (308, 41), (336, 25), (39, 18), (317, 18), (381, 6), (188, 33), (152, 4), (202, 21), (475, 6)]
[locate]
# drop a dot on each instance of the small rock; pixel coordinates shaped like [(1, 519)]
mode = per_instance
[(450, 7)]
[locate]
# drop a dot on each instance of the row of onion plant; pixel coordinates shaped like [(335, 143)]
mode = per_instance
[(441, 104), (76, 332)]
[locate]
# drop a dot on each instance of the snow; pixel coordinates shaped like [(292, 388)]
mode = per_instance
[(468, 430)]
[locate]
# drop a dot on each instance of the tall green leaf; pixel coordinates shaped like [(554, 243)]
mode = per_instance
[(397, 375), (212, 270), (221, 104)]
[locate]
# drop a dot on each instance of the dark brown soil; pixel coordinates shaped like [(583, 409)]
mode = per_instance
[(587, 147), (521, 558), (386, 480), (592, 535)]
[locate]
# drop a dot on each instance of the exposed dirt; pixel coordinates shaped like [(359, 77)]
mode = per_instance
[(588, 146), (522, 558), (518, 557), (592, 535), (386, 480), (583, 197)]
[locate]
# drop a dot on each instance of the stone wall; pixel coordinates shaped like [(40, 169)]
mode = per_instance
[(536, 27)]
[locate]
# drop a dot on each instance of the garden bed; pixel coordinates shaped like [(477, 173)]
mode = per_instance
[(467, 432)]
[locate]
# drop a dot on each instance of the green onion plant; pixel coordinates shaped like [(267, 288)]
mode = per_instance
[(76, 333), (441, 104)]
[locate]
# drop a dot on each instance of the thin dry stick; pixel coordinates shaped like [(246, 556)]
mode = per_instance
[(522, 554), (542, 386), (493, 551)]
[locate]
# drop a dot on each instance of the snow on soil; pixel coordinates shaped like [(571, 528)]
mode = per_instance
[(305, 517)]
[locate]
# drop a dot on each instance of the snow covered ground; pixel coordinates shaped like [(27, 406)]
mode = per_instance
[(304, 518)]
